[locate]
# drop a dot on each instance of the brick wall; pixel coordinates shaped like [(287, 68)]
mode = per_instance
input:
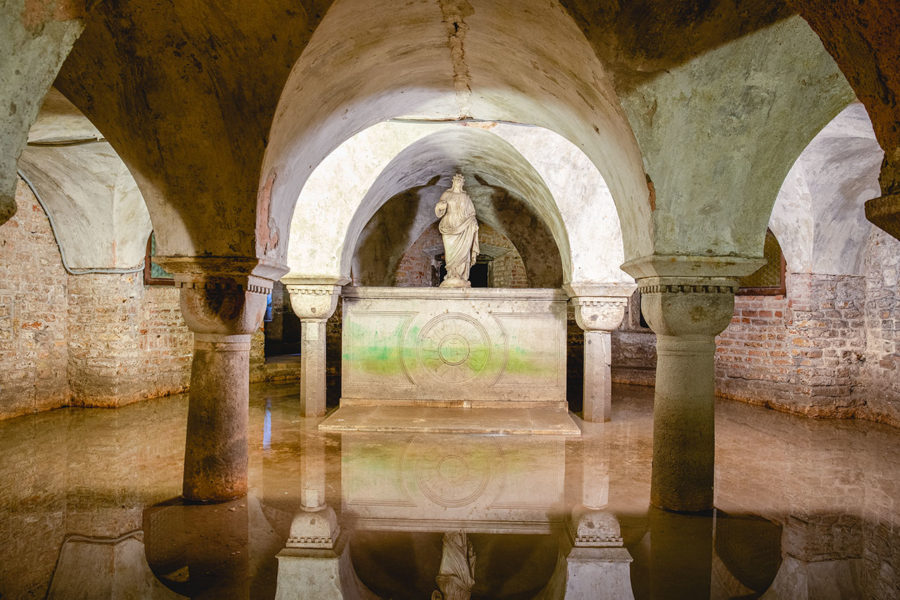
[(881, 369), (87, 340), (801, 354), (508, 271), (827, 349), (33, 323), (166, 343), (104, 312), (415, 268)]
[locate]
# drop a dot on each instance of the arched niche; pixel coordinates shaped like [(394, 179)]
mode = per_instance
[(507, 192), (564, 194), (553, 80), (419, 264)]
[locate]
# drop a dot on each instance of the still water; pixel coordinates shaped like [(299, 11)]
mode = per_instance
[(89, 509)]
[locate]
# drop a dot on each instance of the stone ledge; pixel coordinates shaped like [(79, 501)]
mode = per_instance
[(517, 294), (414, 419)]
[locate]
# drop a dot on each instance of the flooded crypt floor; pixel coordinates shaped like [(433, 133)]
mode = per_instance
[(90, 509)]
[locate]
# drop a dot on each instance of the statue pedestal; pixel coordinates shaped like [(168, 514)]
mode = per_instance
[(457, 348)]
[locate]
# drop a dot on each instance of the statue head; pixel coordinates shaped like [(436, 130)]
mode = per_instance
[(458, 181)]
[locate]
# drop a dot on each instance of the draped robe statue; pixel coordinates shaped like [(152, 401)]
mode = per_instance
[(459, 230), (456, 576)]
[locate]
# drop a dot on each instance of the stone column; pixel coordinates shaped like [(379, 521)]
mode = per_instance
[(222, 302), (686, 310), (598, 311), (314, 302), (686, 315)]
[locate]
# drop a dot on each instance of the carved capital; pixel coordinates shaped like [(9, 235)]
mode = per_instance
[(313, 301), (688, 306), (314, 528), (594, 528), (221, 295), (599, 313)]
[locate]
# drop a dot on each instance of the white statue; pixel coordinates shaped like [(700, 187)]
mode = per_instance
[(459, 230), (457, 572)]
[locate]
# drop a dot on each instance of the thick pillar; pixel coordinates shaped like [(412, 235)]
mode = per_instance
[(599, 310), (222, 302), (314, 303), (687, 301), (686, 315)]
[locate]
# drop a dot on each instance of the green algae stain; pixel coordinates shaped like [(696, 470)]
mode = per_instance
[(374, 350), (530, 363)]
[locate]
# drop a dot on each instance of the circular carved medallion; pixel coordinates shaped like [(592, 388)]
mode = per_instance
[(453, 348), (451, 476)]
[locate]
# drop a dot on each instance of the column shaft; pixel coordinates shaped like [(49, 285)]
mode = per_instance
[(215, 455), (597, 376), (312, 368), (683, 424)]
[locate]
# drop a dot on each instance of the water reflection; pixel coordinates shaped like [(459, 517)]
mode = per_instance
[(88, 510)]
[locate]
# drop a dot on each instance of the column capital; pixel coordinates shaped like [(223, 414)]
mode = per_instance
[(688, 306), (314, 528), (594, 528), (222, 295), (599, 313), (599, 306), (313, 299)]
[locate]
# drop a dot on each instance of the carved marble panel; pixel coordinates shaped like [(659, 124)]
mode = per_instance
[(454, 347)]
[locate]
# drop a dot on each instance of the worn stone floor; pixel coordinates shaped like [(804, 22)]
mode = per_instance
[(89, 509)]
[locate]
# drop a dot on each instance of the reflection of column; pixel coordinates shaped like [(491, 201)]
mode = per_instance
[(593, 562), (680, 555), (312, 469), (315, 525), (201, 551), (595, 469), (314, 562), (314, 302), (222, 302), (598, 310), (821, 558)]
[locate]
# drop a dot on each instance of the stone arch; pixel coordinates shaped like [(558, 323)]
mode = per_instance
[(559, 193), (459, 69), (718, 135), (818, 216), (494, 170), (98, 214)]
